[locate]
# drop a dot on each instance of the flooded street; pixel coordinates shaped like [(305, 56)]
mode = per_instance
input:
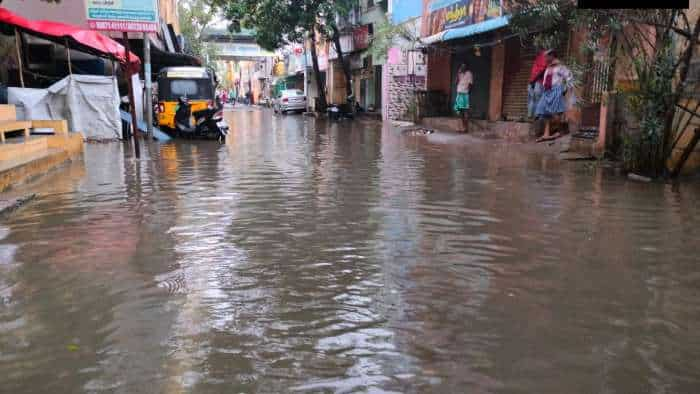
[(345, 257)]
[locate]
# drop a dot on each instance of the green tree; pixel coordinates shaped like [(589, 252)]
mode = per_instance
[(279, 22), (660, 43), (196, 16), (328, 14), (276, 23)]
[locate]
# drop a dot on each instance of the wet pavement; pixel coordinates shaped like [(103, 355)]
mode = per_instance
[(346, 257)]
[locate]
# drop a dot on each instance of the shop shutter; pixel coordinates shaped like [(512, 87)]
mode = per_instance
[(516, 77), (519, 61)]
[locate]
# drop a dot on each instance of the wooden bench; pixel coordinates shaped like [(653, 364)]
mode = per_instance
[(9, 122), (59, 127)]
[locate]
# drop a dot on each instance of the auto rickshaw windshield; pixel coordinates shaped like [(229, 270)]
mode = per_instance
[(193, 89)]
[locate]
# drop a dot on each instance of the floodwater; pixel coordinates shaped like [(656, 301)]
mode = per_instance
[(313, 257)]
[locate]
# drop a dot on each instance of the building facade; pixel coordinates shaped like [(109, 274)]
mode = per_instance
[(356, 33), (405, 69), (243, 66), (421, 81)]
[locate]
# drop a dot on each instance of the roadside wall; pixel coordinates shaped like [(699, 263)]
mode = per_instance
[(400, 84)]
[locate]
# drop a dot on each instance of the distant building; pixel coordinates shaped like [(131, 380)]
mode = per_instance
[(243, 65)]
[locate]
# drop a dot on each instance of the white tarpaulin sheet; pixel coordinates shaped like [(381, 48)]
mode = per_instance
[(90, 104)]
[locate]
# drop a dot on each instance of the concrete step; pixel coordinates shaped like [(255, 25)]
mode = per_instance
[(444, 123), (30, 165), (28, 158), (582, 146), (16, 148), (514, 131)]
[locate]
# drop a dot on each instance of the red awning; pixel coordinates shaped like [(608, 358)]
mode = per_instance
[(82, 40)]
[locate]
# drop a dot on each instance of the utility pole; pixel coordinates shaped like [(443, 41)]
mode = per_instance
[(149, 84), (134, 120), (306, 78)]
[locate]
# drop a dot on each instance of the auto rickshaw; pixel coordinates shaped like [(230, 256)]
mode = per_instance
[(196, 84)]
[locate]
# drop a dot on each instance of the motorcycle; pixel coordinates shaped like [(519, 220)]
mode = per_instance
[(204, 124), (338, 112), (344, 111)]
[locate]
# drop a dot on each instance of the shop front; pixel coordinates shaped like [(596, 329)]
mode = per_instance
[(479, 63), (455, 33)]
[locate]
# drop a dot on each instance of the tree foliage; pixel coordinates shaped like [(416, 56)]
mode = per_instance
[(388, 34), (196, 16), (277, 23)]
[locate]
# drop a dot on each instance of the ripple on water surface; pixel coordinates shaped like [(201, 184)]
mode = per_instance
[(342, 257)]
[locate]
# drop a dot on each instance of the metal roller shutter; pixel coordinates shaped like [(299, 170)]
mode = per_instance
[(516, 77)]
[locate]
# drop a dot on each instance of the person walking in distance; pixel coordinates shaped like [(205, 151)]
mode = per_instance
[(465, 81)]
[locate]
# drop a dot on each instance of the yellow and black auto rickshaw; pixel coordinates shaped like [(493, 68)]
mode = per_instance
[(196, 84)]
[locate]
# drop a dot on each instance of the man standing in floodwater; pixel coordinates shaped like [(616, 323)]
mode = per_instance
[(465, 81)]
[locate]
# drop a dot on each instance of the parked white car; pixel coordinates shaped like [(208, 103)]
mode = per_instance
[(290, 100)]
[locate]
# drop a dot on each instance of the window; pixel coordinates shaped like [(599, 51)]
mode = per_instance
[(196, 89), (184, 88), (292, 93)]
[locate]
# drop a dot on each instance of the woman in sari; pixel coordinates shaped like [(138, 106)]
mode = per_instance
[(536, 86), (558, 81)]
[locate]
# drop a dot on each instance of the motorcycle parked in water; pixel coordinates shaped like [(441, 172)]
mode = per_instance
[(338, 112), (204, 124), (343, 111)]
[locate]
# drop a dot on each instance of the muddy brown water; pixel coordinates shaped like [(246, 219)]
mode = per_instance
[(314, 257)]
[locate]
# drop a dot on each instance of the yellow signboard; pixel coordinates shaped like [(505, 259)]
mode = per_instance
[(279, 69)]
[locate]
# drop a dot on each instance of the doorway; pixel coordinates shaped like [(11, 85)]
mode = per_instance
[(479, 63)]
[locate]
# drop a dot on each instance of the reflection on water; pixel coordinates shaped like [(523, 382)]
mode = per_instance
[(306, 256)]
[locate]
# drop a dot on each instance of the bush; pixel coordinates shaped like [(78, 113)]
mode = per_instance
[(649, 101)]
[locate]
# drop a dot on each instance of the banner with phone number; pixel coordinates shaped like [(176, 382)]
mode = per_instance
[(122, 15)]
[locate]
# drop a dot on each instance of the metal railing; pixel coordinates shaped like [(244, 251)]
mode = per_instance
[(596, 82)]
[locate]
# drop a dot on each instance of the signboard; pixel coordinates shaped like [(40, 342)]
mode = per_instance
[(456, 14), (322, 54), (295, 63), (345, 46), (241, 50), (122, 15), (279, 69), (441, 15), (185, 72), (360, 37), (394, 55)]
